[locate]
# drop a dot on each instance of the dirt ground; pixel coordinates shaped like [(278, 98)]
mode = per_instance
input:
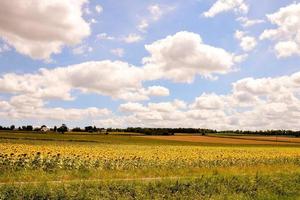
[(231, 139)]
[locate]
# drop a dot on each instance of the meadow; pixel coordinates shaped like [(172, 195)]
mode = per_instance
[(131, 166)]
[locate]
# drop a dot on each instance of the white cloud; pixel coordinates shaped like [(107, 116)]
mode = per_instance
[(168, 107), (132, 38), (143, 25), (156, 12), (249, 22), (98, 8), (118, 52), (208, 102), (278, 102), (287, 48), (247, 43), (26, 107), (287, 33), (220, 6), (182, 56), (240, 58), (41, 33), (116, 79), (253, 104), (179, 57), (264, 86), (158, 91), (154, 114), (132, 107), (82, 50), (104, 36)]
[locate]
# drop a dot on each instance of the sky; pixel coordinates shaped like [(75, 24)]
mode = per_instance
[(218, 64)]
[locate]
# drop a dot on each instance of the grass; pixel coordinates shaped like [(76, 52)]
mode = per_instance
[(206, 187), (136, 167)]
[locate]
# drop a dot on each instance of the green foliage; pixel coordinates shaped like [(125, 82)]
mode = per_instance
[(205, 187), (62, 129)]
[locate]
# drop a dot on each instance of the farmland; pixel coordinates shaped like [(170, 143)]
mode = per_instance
[(145, 167), (237, 140)]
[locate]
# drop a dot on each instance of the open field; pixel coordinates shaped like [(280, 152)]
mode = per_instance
[(240, 140), (88, 166)]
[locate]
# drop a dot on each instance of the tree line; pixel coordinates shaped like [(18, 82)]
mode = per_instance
[(201, 131), (153, 131), (60, 129), (163, 131)]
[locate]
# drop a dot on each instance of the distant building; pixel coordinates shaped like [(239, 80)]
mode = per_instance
[(103, 131), (44, 129)]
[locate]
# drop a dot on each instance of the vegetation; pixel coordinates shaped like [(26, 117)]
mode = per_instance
[(131, 157), (89, 166), (159, 131), (206, 187)]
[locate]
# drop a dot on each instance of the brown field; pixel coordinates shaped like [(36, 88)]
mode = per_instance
[(269, 138), (255, 140)]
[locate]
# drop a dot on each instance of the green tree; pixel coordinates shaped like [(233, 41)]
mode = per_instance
[(62, 129)]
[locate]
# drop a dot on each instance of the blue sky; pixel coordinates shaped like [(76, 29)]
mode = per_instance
[(76, 35)]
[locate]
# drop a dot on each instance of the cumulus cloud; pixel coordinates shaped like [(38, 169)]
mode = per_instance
[(158, 91), (247, 43), (287, 48), (208, 102), (182, 56), (287, 33), (26, 107), (132, 107), (253, 104), (41, 33), (116, 79), (179, 58), (151, 115), (220, 6)]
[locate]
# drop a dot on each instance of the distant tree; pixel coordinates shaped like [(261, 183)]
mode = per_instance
[(36, 129), (77, 129), (12, 127), (29, 128), (62, 129), (54, 128), (89, 129)]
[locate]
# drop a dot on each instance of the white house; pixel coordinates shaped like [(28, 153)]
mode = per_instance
[(44, 129)]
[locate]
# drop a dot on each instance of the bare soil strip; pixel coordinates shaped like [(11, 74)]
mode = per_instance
[(230, 139)]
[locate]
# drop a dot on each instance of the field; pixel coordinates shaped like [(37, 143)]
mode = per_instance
[(89, 166), (238, 140)]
